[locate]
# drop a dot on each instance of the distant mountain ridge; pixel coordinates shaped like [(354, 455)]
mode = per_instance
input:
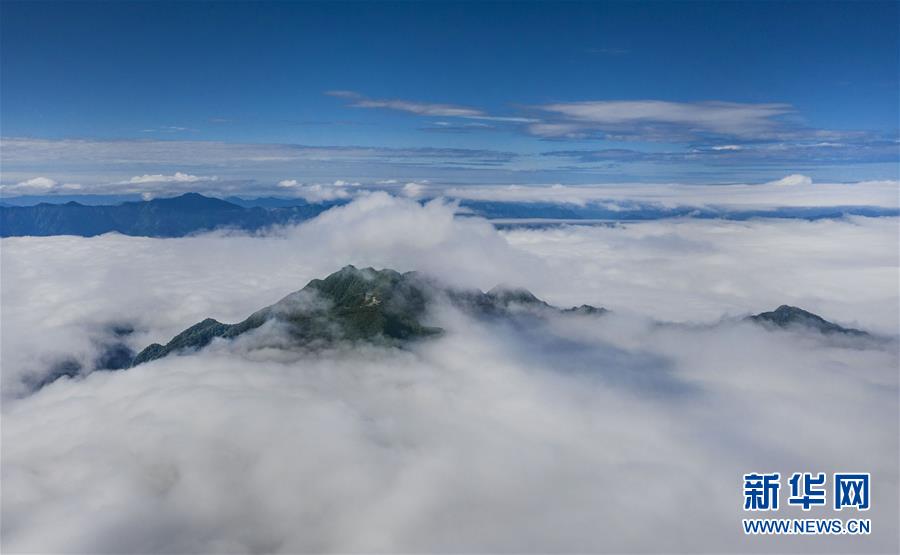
[(165, 217), (274, 202), (192, 213)]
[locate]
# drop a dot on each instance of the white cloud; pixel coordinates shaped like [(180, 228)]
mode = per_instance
[(413, 189), (791, 191), (342, 183), (697, 270), (492, 438), (39, 185), (649, 118), (793, 180), (177, 177), (320, 192)]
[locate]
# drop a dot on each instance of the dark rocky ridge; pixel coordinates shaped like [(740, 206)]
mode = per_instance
[(386, 307), (382, 308), (786, 316), (378, 306)]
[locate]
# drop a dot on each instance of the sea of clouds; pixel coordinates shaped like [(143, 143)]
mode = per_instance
[(575, 434)]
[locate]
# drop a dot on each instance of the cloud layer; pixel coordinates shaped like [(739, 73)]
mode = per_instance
[(493, 438), (657, 119), (137, 166), (790, 191)]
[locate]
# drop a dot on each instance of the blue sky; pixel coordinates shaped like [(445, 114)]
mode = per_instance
[(463, 93)]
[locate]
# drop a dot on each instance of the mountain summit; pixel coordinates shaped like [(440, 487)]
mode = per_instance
[(386, 307), (786, 316), (352, 304)]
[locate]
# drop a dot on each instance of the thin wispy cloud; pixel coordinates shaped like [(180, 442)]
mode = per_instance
[(864, 149), (795, 190), (131, 152), (658, 119), (714, 132), (111, 165), (463, 127), (423, 108), (129, 166), (167, 129), (177, 177), (616, 119)]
